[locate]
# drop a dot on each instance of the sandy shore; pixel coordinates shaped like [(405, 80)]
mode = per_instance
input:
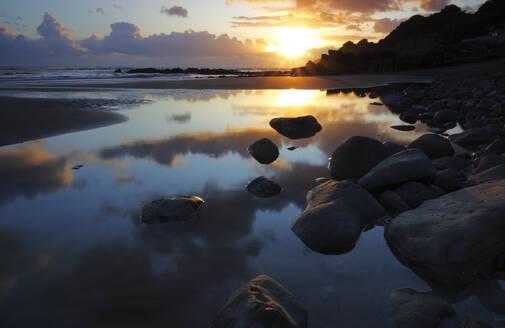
[(24, 119)]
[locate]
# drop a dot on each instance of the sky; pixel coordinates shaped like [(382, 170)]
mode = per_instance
[(196, 33)]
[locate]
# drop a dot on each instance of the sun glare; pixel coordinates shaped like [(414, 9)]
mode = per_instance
[(293, 42)]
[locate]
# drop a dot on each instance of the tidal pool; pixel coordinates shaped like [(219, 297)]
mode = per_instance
[(75, 254)]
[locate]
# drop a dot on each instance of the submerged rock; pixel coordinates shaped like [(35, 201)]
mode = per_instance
[(264, 151), (450, 241), (409, 165), (433, 145), (412, 309), (335, 216), (171, 209), (262, 302), (263, 187), (297, 127), (355, 157)]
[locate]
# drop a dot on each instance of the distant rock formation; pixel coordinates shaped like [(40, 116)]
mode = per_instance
[(449, 37)]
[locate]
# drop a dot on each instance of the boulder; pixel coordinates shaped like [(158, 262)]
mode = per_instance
[(263, 187), (171, 209), (451, 162), (412, 309), (494, 173), (408, 117), (335, 216), (393, 148), (393, 203), (476, 324), (355, 157), (448, 182), (446, 115), (296, 128), (403, 127), (472, 137), (433, 145), (488, 162), (415, 193), (450, 241), (262, 302), (496, 147), (264, 151), (409, 165)]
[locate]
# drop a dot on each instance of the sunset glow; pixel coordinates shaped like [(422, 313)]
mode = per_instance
[(293, 42)]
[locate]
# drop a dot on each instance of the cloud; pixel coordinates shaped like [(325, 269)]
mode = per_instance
[(52, 28), (386, 25), (433, 5), (174, 11)]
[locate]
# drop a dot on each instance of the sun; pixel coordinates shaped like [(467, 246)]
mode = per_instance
[(293, 42)]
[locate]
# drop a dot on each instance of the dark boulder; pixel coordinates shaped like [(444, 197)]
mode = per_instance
[(446, 115), (263, 187), (264, 151), (164, 210), (297, 127), (403, 127), (393, 148), (355, 157), (489, 161), (393, 203), (415, 193), (433, 145)]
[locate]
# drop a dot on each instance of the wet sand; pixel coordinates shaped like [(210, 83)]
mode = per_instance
[(24, 119)]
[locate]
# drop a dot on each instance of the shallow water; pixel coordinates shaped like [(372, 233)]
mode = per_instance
[(75, 254)]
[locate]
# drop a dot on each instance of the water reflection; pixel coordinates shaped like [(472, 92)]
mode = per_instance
[(80, 256)]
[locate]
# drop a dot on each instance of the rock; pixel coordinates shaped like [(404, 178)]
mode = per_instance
[(412, 309), (451, 162), (403, 127), (415, 193), (262, 302), (409, 165), (409, 118), (488, 162), (450, 241), (264, 151), (496, 147), (292, 148), (471, 137), (376, 103), (433, 145), (296, 128), (335, 216), (448, 182), (495, 173), (436, 130), (373, 95), (446, 115), (393, 148), (171, 209), (118, 70), (355, 157), (393, 202), (77, 167), (263, 187), (476, 324)]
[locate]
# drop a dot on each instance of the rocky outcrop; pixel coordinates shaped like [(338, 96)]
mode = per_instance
[(355, 157), (409, 165), (262, 302), (452, 240), (335, 215), (296, 127)]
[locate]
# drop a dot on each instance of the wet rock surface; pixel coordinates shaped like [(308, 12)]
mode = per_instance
[(165, 210), (264, 151), (262, 302), (355, 157), (263, 187), (335, 215), (412, 309), (297, 127), (434, 146)]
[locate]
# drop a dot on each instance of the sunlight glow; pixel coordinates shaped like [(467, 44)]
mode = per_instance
[(293, 97), (293, 42)]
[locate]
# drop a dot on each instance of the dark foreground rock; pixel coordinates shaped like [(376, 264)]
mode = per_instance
[(476, 324), (472, 138), (415, 193), (403, 127), (393, 148), (262, 302), (264, 151), (263, 187), (171, 209), (355, 157), (492, 174), (489, 161), (297, 127), (409, 165), (452, 241), (412, 309), (433, 145), (335, 216), (393, 203)]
